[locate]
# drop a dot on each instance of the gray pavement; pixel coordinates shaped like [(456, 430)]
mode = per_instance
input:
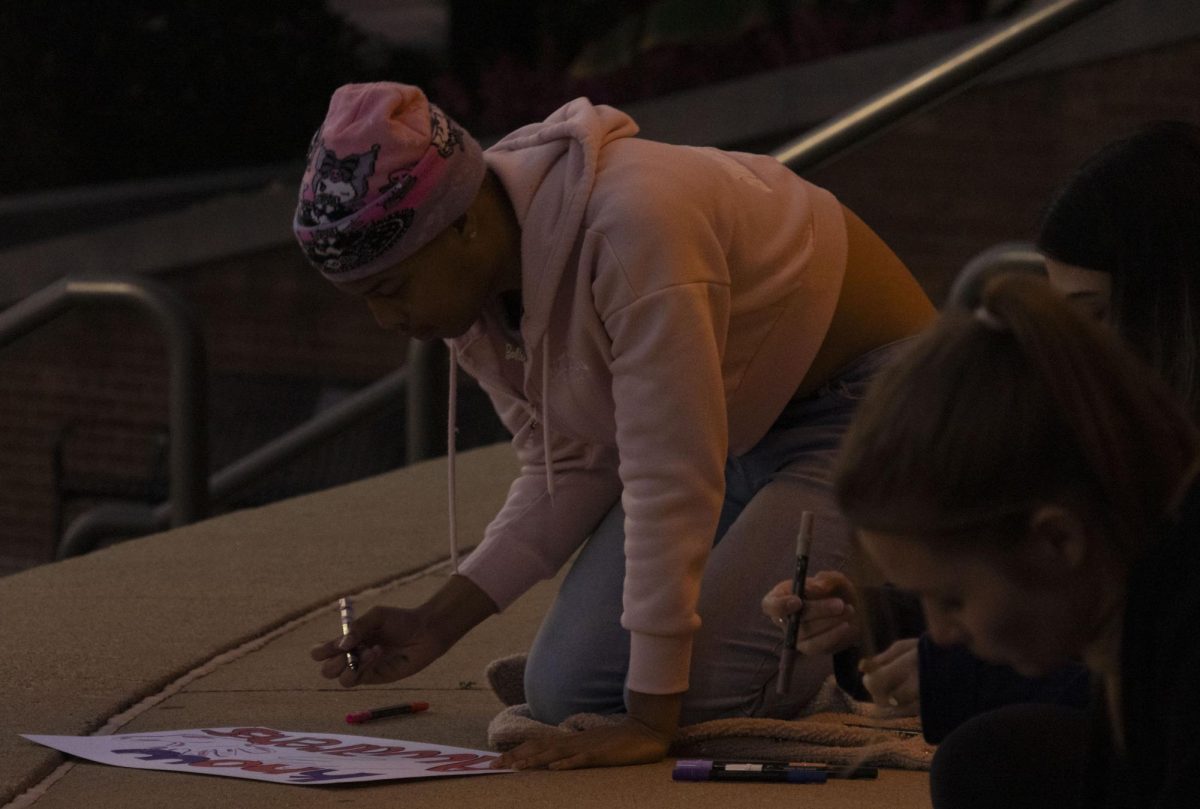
[(209, 625)]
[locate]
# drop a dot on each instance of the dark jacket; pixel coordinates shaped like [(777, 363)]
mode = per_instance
[(956, 685), (1160, 667)]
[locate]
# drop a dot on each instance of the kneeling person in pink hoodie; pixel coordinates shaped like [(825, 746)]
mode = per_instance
[(676, 337)]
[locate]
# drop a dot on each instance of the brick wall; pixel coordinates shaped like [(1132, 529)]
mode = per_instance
[(280, 343), (978, 169), (940, 188)]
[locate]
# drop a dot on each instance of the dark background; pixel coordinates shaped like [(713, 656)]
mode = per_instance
[(101, 91)]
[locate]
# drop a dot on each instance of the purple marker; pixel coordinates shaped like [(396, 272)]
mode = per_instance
[(705, 770)]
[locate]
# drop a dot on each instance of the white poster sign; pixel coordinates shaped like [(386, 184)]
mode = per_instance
[(266, 754)]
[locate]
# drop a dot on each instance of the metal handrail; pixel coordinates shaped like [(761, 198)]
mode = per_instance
[(418, 439), (234, 478), (103, 522), (188, 394), (931, 85)]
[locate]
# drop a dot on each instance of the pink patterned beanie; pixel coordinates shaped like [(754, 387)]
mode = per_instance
[(387, 172)]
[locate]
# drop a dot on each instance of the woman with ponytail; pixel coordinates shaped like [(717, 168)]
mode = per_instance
[(1033, 483)]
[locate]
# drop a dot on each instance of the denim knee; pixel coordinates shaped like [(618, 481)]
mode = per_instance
[(556, 687)]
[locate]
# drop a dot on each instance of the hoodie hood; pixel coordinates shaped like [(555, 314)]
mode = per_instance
[(548, 170)]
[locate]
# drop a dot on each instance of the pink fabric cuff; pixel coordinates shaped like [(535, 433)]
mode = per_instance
[(659, 664)]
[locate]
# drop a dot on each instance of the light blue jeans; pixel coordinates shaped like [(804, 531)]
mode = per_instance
[(580, 657)]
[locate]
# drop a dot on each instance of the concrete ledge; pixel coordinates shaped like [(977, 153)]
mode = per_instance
[(210, 625), (95, 634)]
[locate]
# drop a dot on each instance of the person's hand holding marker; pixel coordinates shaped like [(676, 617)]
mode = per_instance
[(391, 643), (828, 618), (829, 624), (893, 677)]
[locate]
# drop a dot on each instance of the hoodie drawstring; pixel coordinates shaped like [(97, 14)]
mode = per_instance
[(451, 430), (546, 459)]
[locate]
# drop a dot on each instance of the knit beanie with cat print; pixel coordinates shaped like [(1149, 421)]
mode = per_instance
[(386, 173)]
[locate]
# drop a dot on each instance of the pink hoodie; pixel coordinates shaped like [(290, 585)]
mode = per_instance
[(674, 298)]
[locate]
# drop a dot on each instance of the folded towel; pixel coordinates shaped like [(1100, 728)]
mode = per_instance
[(834, 729)]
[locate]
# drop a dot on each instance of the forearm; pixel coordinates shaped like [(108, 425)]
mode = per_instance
[(456, 608), (533, 536), (658, 712)]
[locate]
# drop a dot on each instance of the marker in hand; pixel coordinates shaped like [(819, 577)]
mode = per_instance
[(788, 658), (346, 612)]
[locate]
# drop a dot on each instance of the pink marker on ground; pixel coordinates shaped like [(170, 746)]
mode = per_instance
[(357, 717)]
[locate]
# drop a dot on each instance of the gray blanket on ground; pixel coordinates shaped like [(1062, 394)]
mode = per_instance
[(834, 729)]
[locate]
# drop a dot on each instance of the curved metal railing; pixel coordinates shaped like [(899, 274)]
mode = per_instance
[(935, 83), (188, 394), (98, 524)]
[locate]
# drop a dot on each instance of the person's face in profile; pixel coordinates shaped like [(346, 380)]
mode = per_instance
[(1026, 606), (436, 293)]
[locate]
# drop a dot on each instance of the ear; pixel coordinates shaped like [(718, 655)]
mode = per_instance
[(467, 225), (1057, 543), (463, 225)]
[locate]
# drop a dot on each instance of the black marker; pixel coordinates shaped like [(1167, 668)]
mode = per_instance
[(788, 657)]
